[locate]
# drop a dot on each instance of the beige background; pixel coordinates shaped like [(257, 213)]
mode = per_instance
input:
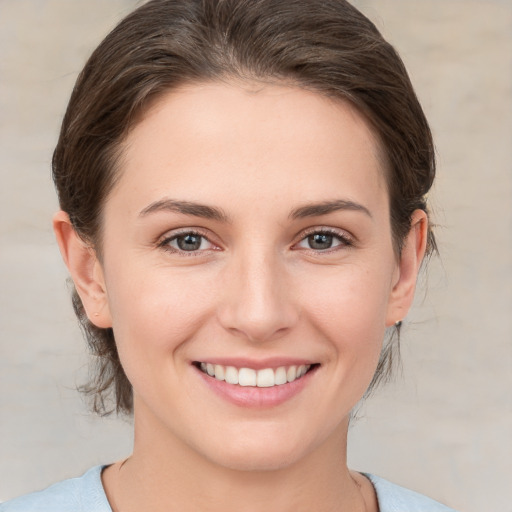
[(445, 427)]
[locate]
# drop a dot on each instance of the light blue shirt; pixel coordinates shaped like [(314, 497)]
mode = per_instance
[(86, 494)]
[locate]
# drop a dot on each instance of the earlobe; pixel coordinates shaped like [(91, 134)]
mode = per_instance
[(413, 251), (85, 270)]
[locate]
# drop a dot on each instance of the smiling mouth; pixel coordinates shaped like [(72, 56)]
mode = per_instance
[(264, 378)]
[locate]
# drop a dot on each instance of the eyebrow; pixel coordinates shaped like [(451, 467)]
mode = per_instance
[(211, 212), (323, 208), (186, 208)]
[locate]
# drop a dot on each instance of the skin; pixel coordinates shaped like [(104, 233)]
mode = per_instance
[(255, 289)]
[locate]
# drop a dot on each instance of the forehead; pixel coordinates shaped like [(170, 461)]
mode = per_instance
[(275, 138)]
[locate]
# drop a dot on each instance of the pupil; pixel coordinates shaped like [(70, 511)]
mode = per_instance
[(320, 241), (189, 242)]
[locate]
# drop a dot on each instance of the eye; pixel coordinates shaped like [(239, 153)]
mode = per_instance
[(323, 240), (188, 241)]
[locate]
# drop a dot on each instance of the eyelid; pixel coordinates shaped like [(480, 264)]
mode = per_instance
[(344, 236), (164, 240)]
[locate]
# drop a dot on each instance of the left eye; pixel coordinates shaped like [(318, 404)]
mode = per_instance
[(321, 241), (189, 242)]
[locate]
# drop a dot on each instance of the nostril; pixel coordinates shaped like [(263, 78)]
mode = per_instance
[(256, 304)]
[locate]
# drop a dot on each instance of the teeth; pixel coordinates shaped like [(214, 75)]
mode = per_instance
[(231, 375), (219, 372), (280, 376), (265, 378), (247, 377)]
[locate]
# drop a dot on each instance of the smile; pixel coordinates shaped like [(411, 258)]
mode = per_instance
[(263, 378)]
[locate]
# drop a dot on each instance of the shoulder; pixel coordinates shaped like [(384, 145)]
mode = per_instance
[(393, 498), (82, 494)]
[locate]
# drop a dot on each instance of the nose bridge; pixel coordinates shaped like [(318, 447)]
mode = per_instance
[(257, 302)]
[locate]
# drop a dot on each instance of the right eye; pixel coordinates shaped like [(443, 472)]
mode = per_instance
[(187, 242)]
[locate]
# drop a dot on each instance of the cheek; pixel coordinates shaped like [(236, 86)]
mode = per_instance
[(154, 311), (349, 308)]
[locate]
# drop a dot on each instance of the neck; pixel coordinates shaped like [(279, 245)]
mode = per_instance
[(165, 474)]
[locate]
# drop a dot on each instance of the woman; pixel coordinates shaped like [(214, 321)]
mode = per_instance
[(242, 187)]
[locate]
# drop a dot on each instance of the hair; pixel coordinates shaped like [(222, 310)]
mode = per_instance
[(325, 46)]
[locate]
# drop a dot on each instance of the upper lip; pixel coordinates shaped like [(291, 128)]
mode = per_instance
[(256, 364)]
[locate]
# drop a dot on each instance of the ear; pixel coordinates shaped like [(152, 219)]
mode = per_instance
[(402, 293), (85, 269)]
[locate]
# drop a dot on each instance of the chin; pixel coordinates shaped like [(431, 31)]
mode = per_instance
[(261, 453), (262, 459)]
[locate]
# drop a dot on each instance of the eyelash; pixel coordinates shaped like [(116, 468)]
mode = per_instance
[(344, 239), (165, 243)]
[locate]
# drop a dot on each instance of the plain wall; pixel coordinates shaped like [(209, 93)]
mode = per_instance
[(444, 427)]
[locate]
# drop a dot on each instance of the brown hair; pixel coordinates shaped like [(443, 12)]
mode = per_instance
[(326, 46)]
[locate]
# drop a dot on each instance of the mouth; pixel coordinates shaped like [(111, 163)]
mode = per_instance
[(250, 377)]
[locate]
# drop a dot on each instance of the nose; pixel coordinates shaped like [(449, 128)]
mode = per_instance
[(258, 302)]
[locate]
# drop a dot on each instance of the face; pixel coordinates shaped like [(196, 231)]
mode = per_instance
[(248, 240)]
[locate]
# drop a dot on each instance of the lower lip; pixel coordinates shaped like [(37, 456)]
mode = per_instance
[(251, 396)]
